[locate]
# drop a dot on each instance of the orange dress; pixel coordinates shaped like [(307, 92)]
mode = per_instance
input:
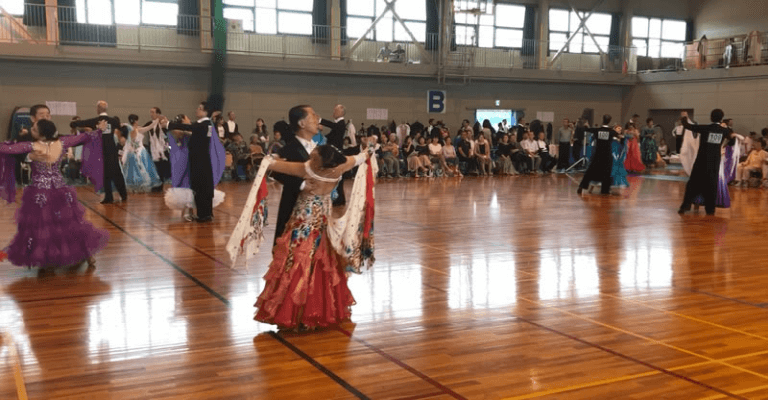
[(634, 161)]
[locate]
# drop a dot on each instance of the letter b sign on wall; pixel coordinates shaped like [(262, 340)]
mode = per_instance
[(436, 102)]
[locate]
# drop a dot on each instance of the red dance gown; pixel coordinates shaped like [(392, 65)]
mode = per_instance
[(634, 161), (306, 284)]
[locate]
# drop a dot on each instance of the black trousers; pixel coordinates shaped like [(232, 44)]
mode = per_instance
[(471, 163), (678, 143), (163, 168), (598, 171), (706, 187), (119, 181), (564, 157), (204, 204)]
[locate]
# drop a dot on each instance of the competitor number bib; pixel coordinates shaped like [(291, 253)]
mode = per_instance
[(715, 138)]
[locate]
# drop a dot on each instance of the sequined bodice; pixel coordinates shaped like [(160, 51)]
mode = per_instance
[(46, 175)]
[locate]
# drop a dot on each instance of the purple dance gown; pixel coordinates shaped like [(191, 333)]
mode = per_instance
[(51, 229), (726, 174)]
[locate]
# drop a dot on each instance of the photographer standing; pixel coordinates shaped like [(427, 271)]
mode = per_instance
[(565, 139)]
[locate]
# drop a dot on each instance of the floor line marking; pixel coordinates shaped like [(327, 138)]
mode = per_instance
[(316, 364), (631, 377), (638, 302), (226, 302), (624, 356), (403, 365), (18, 372), (646, 338), (742, 391)]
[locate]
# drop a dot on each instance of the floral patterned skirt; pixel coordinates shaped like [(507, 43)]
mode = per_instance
[(305, 284)]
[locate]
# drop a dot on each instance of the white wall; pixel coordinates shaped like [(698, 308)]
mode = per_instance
[(718, 18), (270, 95), (742, 100)]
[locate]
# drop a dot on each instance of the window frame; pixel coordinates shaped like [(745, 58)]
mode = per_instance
[(583, 32), (374, 34), (476, 29), (23, 8), (140, 14), (277, 10), (647, 38)]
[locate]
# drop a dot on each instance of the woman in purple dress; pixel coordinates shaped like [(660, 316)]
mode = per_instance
[(51, 229)]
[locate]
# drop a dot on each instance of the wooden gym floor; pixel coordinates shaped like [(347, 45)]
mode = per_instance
[(484, 288)]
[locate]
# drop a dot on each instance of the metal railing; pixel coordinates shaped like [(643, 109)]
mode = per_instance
[(320, 42), (738, 51), (528, 56)]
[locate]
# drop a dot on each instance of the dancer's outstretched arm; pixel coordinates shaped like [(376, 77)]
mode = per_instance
[(292, 168), (297, 169)]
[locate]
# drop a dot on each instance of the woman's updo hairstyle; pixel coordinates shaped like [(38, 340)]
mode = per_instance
[(133, 118), (47, 130), (331, 156)]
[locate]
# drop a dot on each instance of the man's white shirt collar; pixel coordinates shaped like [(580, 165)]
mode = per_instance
[(203, 119), (308, 144), (104, 114), (339, 119)]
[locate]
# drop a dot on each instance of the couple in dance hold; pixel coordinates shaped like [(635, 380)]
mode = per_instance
[(306, 283)]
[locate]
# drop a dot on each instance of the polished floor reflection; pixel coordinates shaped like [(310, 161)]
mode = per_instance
[(484, 288)]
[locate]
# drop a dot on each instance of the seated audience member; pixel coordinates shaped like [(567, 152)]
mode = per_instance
[(548, 163), (450, 157), (241, 155), (520, 159), (531, 150), (436, 153), (389, 153), (422, 151), (663, 148), (465, 153), (415, 165), (276, 144), (504, 157), (483, 155), (757, 160)]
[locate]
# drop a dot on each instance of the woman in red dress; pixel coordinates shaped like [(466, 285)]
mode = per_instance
[(634, 161), (306, 283)]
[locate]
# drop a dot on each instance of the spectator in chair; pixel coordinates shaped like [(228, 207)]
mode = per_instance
[(422, 151), (483, 155), (241, 155), (757, 160)]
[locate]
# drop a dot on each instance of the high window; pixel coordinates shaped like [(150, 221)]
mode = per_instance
[(563, 25), (362, 13), (272, 16), (127, 12), (14, 7), (656, 37), (503, 28)]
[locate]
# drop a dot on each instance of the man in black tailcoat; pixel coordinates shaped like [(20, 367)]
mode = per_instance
[(704, 175), (304, 123), (336, 138), (112, 172), (602, 160), (201, 170)]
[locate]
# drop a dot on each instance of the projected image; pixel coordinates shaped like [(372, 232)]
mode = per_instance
[(496, 116)]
